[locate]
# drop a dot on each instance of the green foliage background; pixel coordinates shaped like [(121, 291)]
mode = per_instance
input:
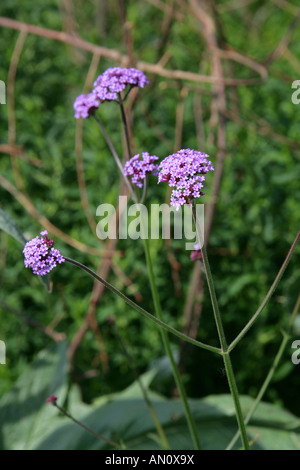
[(257, 215)]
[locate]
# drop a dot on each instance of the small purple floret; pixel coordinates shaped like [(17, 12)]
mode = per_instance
[(85, 104), (185, 172), (40, 255), (138, 169)]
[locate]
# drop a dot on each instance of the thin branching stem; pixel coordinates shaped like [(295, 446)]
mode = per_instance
[(144, 312), (268, 296), (222, 337), (116, 157)]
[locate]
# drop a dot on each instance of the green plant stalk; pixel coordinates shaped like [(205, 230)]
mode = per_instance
[(158, 311), (158, 426), (262, 390), (164, 327), (139, 309), (271, 372), (160, 431), (268, 296), (168, 350), (115, 155), (91, 431), (125, 126), (221, 333)]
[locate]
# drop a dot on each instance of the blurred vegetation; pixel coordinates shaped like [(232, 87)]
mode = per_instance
[(257, 211)]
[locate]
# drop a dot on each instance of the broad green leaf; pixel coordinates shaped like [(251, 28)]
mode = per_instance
[(28, 422), (129, 421), (134, 390), (25, 417)]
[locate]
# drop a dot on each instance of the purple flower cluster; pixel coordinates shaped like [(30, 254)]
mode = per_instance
[(185, 172), (106, 88), (40, 255), (85, 104), (115, 79), (138, 169)]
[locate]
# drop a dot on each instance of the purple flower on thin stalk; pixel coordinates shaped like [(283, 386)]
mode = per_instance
[(196, 254), (115, 79), (52, 399), (40, 255), (106, 88), (138, 169), (184, 171), (84, 105)]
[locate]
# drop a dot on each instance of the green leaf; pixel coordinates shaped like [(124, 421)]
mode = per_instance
[(128, 420), (28, 422), (9, 225), (25, 417)]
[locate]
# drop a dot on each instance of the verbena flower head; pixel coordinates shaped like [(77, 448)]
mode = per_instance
[(85, 104), (115, 79), (106, 88), (196, 254), (52, 399), (138, 169), (184, 171), (40, 255)]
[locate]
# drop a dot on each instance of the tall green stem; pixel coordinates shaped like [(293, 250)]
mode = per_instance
[(144, 312), (168, 350), (268, 296), (87, 428), (164, 326), (158, 311), (115, 155), (222, 337), (125, 126), (160, 431), (286, 336)]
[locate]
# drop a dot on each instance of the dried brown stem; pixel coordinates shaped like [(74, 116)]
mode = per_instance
[(78, 149), (192, 313), (263, 129), (127, 36), (287, 6), (167, 9), (11, 105), (18, 151), (283, 43), (90, 318), (295, 63), (175, 265), (179, 119), (44, 222), (115, 55), (234, 5)]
